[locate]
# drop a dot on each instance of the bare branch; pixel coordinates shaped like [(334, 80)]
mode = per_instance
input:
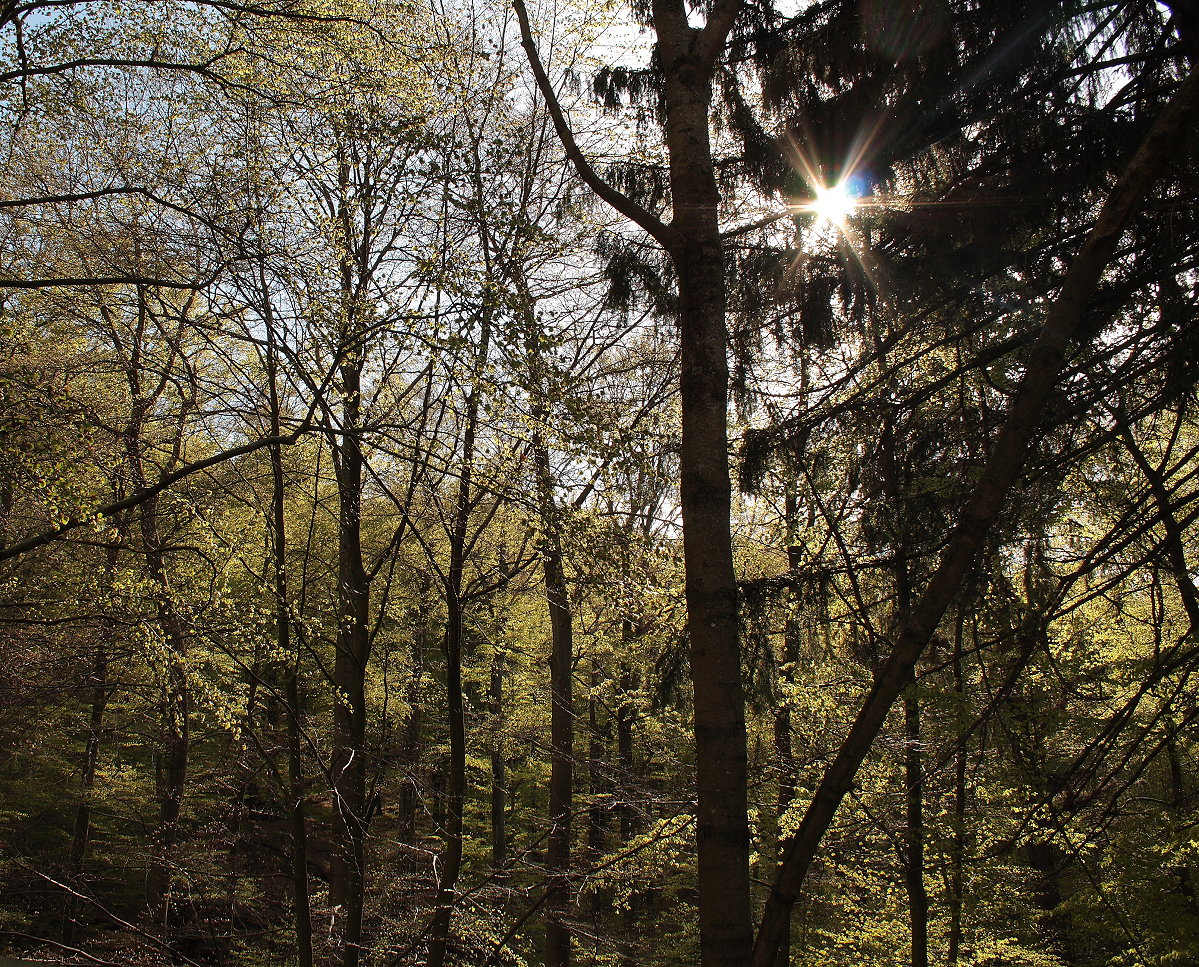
[(621, 202)]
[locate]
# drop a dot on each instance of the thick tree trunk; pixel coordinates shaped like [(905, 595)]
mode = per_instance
[(722, 827)]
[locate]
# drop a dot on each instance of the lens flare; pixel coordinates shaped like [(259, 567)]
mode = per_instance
[(832, 205)]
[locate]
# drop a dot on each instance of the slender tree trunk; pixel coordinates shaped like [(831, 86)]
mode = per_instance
[(784, 755), (451, 857), (913, 786), (914, 796), (597, 786), (91, 757), (958, 841), (599, 825), (297, 820), (557, 933), (410, 745), (81, 834), (499, 772), (626, 718), (451, 860), (171, 771), (1178, 800)]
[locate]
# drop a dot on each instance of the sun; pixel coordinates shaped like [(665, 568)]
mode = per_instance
[(832, 205)]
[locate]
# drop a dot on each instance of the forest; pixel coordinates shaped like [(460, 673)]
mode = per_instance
[(582, 482)]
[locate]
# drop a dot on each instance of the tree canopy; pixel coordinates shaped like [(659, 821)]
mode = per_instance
[(651, 484)]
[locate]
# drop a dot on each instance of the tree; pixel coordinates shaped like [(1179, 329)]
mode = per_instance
[(685, 74)]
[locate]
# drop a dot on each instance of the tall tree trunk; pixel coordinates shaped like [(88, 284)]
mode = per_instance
[(557, 933), (171, 770), (171, 760), (722, 826), (599, 786), (1178, 801), (347, 880), (451, 859), (81, 833), (451, 856), (784, 754), (348, 768), (626, 718), (410, 744), (958, 841), (914, 796), (913, 787), (688, 56), (499, 771), (297, 820), (626, 813)]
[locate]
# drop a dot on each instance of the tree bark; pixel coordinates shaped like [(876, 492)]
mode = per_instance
[(958, 840), (557, 931), (297, 820), (499, 772), (451, 860), (81, 833), (348, 768), (171, 771), (914, 796), (347, 878), (688, 56), (784, 752), (722, 828)]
